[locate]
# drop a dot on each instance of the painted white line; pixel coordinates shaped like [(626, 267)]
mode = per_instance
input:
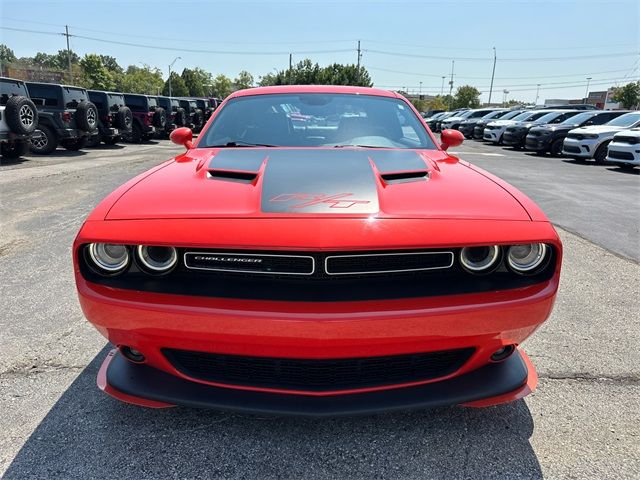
[(478, 153)]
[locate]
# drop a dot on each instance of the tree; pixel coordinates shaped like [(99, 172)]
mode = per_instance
[(197, 81), (144, 80), (308, 73), (628, 95), (466, 97), (6, 56), (221, 86), (111, 64), (96, 75), (338, 74), (178, 87), (243, 80)]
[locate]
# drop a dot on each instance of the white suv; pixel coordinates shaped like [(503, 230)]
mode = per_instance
[(592, 141), (18, 118), (494, 131), (624, 149)]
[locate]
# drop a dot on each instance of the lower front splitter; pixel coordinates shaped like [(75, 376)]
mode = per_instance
[(143, 385)]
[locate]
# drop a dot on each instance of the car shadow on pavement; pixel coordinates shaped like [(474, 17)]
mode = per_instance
[(5, 162), (88, 434), (628, 171)]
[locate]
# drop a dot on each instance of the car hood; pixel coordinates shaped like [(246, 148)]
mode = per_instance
[(289, 182), (553, 128), (598, 130), (501, 123), (452, 119)]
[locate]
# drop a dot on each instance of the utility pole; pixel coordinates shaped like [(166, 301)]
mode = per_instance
[(442, 88), (358, 63), (492, 74), (504, 98), (420, 91), (451, 83), (171, 65), (290, 67), (586, 95), (537, 93), (66, 34)]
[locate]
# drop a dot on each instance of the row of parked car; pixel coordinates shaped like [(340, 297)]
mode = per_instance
[(575, 131), (43, 116)]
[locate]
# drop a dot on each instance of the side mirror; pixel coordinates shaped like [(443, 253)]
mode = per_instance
[(182, 136), (451, 138)]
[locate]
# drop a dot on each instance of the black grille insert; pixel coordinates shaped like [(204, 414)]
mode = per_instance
[(388, 263), (317, 375), (250, 263), (620, 155)]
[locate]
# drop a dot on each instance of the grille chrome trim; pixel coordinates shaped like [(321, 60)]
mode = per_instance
[(240, 270), (328, 272)]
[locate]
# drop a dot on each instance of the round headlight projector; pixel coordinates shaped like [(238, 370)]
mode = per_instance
[(526, 258), (157, 259), (109, 258), (480, 259)]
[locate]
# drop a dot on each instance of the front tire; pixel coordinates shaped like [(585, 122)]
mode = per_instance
[(601, 153), (43, 141), (556, 147)]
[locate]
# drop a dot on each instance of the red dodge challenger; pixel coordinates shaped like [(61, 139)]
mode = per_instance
[(345, 264)]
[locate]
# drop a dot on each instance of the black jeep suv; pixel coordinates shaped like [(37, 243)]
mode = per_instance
[(176, 116), (66, 117), (148, 117), (207, 108), (195, 116), (18, 118), (114, 117)]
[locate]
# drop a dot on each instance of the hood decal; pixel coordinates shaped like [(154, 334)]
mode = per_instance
[(243, 160), (319, 181)]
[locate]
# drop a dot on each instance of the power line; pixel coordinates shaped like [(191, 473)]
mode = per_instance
[(488, 59), (486, 49)]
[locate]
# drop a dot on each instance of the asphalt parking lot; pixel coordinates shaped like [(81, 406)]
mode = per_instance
[(582, 422)]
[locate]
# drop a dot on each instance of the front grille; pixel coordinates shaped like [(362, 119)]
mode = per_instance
[(571, 149), (387, 262), (250, 263), (620, 155), (317, 374), (629, 140)]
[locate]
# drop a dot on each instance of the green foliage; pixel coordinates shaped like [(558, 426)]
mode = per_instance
[(308, 73), (96, 75), (197, 81), (142, 80), (466, 97), (6, 54), (436, 103), (111, 64), (178, 87), (243, 80), (222, 86), (628, 95)]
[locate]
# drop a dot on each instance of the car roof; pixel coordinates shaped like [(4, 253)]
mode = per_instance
[(284, 89)]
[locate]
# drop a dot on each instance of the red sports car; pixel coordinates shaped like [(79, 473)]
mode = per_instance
[(342, 265)]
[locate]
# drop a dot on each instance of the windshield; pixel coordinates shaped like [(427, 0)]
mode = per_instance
[(496, 114), (578, 119), (549, 117), (317, 119), (115, 100), (626, 120), (522, 116), (511, 115)]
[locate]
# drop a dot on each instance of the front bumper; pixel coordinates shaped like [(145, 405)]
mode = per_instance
[(585, 148), (492, 384), (624, 153), (466, 130), (514, 139), (538, 144), (493, 135)]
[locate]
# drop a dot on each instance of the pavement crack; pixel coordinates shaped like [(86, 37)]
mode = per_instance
[(26, 370), (626, 379)]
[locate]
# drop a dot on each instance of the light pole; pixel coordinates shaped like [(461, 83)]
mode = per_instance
[(171, 65), (537, 93), (442, 88), (420, 91), (504, 100), (493, 74), (586, 94)]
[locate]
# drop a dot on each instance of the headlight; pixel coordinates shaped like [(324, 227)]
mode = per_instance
[(157, 259), (591, 136), (109, 258), (526, 258), (480, 259)]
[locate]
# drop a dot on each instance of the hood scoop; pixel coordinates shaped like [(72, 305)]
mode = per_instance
[(242, 166), (400, 166)]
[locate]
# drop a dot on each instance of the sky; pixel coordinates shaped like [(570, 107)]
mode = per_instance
[(407, 45)]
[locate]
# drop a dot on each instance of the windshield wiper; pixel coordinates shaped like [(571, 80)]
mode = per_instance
[(240, 143), (360, 146)]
